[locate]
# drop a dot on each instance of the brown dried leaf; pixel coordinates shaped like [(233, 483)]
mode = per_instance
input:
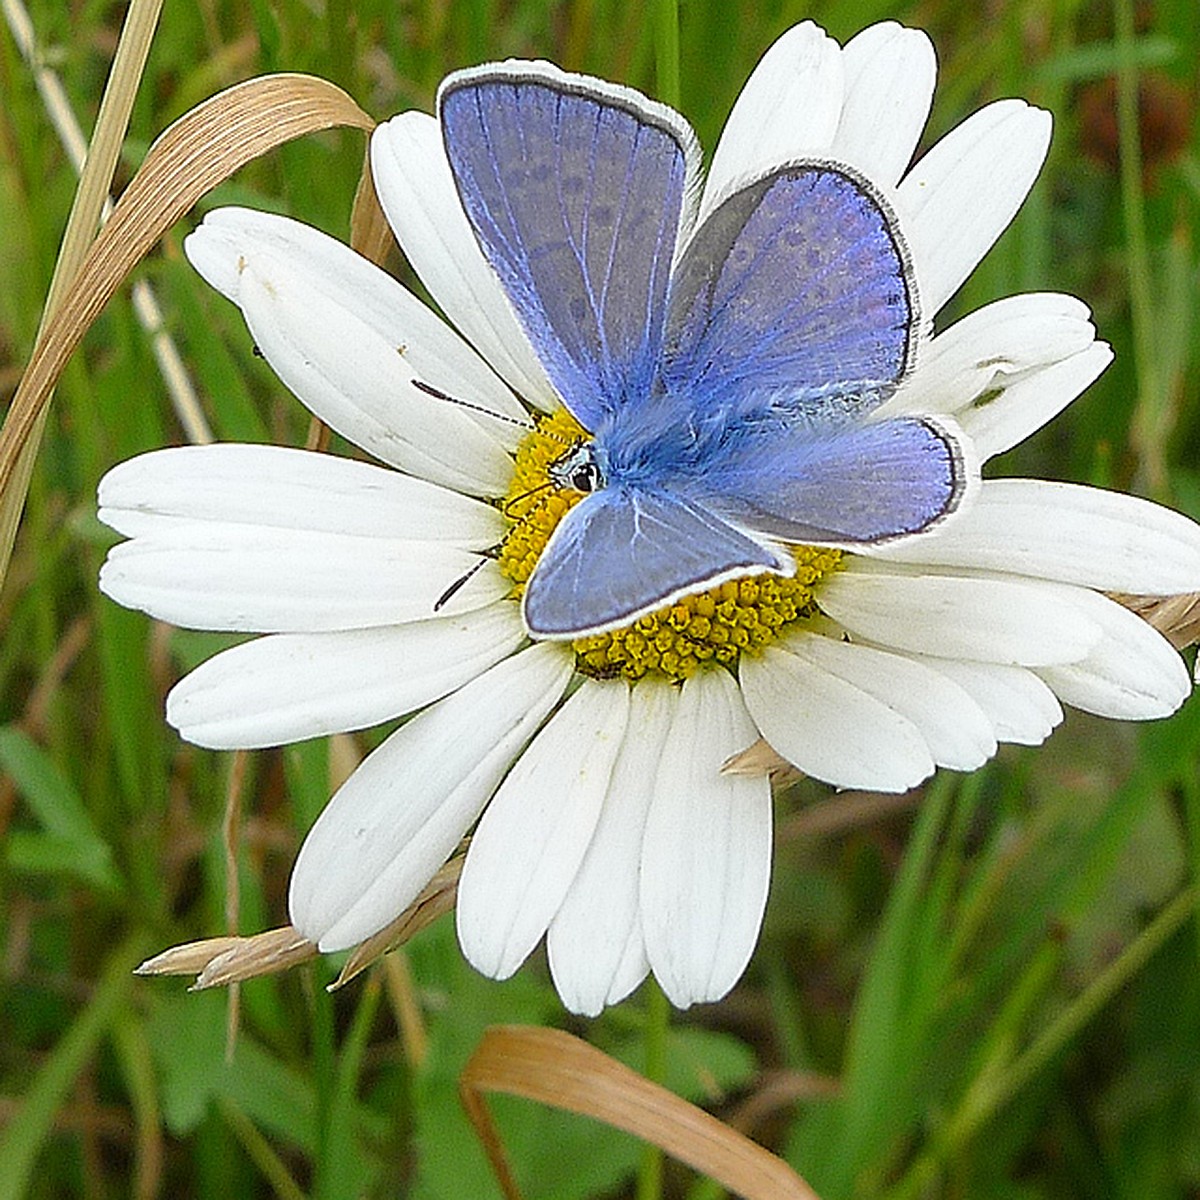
[(1177, 618), (436, 898), (762, 759), (370, 233), (190, 958), (220, 961), (552, 1067), (201, 149)]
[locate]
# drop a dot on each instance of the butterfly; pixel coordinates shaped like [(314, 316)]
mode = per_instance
[(724, 370)]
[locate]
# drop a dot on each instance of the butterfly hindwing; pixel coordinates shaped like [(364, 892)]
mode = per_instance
[(623, 552), (796, 292), (574, 190), (848, 485)]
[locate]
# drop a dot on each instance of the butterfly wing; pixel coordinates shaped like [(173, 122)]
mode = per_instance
[(574, 189), (846, 485), (794, 313), (795, 294), (623, 552)]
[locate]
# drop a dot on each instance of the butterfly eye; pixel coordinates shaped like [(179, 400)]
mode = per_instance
[(578, 470), (586, 477)]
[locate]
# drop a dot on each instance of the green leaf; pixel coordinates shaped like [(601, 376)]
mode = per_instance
[(451, 1162), (26, 1134), (69, 843), (1099, 59), (187, 1034)]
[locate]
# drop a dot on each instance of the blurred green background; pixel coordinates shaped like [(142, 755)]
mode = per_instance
[(986, 989)]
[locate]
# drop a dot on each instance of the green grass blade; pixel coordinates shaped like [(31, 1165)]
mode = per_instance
[(26, 1134)]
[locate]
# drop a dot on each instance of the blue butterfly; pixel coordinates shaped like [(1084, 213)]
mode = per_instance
[(723, 373)]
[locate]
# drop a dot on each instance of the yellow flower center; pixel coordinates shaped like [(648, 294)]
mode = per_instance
[(716, 626)]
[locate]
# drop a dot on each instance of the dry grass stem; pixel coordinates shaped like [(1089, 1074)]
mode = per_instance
[(780, 1089), (145, 303), (230, 836), (402, 995), (847, 811), (99, 163)]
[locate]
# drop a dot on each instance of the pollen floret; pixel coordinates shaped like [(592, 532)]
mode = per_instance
[(737, 617), (712, 627), (533, 503)]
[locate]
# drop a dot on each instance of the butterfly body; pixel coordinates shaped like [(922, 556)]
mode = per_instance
[(725, 372)]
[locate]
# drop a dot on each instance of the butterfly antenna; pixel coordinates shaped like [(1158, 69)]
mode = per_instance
[(570, 442), (458, 585), (437, 394), (509, 508)]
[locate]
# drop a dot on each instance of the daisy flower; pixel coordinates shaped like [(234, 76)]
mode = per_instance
[(601, 765)]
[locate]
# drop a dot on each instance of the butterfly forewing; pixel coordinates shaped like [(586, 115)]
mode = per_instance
[(795, 293), (575, 196), (623, 552)]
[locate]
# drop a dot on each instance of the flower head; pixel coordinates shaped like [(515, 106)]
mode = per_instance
[(609, 825)]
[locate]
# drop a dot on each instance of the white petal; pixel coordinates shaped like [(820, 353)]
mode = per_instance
[(631, 973), (829, 726), (890, 73), (361, 385), (417, 192), (953, 726), (231, 237), (1019, 622), (788, 109), (399, 816), (1068, 532), (290, 686), (991, 348), (706, 860), (292, 489), (1019, 705), (1026, 404), (1132, 674), (530, 842), (595, 945), (959, 198), (247, 579)]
